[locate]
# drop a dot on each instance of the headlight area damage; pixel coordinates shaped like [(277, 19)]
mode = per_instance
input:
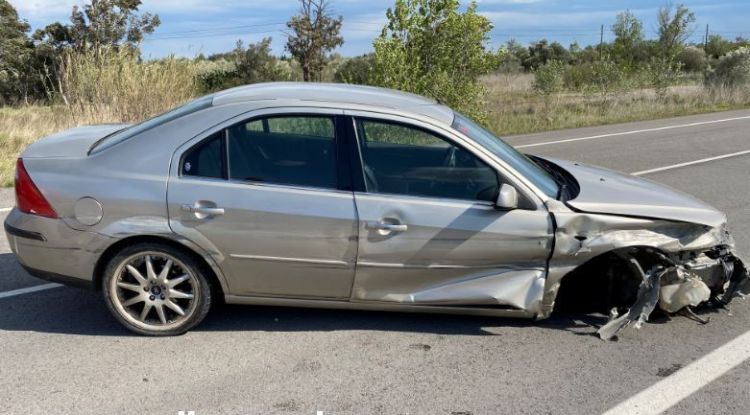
[(626, 267)]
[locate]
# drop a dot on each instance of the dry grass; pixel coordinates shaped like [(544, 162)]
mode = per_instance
[(116, 86), (94, 89), (514, 107), (20, 127)]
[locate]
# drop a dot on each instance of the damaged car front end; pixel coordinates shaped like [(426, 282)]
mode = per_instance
[(626, 246)]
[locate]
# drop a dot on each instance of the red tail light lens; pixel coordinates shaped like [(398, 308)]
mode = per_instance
[(28, 197)]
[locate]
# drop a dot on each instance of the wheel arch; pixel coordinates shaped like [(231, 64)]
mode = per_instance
[(213, 272), (605, 280)]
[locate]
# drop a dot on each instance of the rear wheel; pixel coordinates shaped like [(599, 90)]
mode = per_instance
[(156, 290)]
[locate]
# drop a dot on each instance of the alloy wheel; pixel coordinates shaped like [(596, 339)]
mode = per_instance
[(154, 290)]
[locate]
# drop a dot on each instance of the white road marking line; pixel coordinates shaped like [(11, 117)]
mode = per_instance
[(645, 130), (3, 210), (28, 290), (690, 163), (666, 393)]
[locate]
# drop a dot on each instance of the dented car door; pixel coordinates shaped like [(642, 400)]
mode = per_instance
[(429, 231)]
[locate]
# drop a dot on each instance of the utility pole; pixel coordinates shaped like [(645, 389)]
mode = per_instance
[(705, 43), (601, 43)]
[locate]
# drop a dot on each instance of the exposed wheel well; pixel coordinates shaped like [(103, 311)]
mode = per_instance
[(605, 281), (111, 251)]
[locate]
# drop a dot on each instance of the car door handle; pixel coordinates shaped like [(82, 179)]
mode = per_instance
[(202, 212), (385, 227)]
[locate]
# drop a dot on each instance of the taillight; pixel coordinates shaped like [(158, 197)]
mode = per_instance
[(28, 197)]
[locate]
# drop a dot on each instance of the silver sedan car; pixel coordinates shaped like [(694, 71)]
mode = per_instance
[(339, 196)]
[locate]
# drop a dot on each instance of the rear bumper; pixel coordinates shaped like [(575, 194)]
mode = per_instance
[(60, 279), (51, 250)]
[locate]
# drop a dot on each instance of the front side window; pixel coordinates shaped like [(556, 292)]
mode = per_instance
[(400, 159), (507, 153), (294, 150)]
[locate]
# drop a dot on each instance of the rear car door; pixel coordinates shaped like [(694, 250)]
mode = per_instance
[(265, 197), (429, 230)]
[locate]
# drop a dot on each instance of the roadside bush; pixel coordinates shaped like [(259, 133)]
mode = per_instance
[(508, 63), (598, 76), (692, 59), (549, 78), (662, 73), (731, 71), (215, 75)]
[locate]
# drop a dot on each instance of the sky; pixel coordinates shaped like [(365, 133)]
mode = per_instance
[(190, 27)]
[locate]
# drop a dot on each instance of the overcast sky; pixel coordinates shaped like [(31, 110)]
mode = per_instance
[(190, 27)]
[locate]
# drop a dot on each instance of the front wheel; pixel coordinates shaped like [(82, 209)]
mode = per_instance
[(156, 290)]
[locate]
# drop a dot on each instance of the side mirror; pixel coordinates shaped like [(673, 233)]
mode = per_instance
[(507, 197)]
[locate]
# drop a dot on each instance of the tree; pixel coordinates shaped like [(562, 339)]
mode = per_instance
[(543, 52), (244, 65), (628, 31), (101, 23), (355, 70), (16, 52), (315, 32), (675, 27), (256, 63), (428, 47)]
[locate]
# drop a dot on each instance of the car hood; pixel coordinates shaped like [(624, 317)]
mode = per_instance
[(74, 142), (609, 192)]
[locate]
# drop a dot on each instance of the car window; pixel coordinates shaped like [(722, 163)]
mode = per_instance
[(400, 159), (289, 150), (132, 131), (206, 159), (510, 155)]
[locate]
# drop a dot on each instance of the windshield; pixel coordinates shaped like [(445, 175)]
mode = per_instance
[(127, 133), (522, 164)]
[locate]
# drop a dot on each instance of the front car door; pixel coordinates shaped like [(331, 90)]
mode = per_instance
[(429, 232), (265, 197)]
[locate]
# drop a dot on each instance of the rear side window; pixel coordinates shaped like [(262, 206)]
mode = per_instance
[(206, 159), (130, 132), (290, 150)]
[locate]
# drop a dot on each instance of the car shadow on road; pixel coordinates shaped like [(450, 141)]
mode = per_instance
[(73, 311)]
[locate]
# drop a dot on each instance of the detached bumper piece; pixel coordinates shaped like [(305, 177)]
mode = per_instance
[(713, 278)]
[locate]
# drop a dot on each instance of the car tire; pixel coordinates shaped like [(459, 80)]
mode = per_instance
[(154, 289)]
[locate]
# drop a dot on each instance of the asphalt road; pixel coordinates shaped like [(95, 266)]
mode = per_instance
[(61, 352)]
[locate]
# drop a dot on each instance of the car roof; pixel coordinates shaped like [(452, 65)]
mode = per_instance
[(337, 94)]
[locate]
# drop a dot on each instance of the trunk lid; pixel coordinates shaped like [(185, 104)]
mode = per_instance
[(75, 142)]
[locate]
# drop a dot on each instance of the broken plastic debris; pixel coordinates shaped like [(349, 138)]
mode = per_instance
[(690, 291), (648, 296)]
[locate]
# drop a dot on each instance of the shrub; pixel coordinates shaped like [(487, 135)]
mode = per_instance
[(692, 59), (662, 73), (731, 71), (508, 63), (549, 79), (598, 76)]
